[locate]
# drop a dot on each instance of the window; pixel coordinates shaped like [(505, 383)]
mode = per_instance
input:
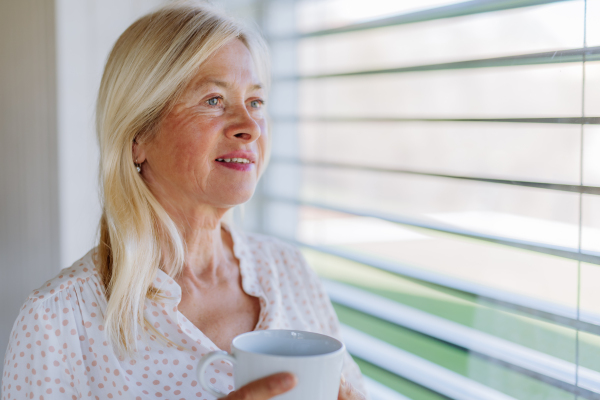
[(437, 162)]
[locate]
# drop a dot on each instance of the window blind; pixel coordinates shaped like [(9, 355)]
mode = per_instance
[(437, 162)]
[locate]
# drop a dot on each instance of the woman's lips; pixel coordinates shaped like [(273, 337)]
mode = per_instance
[(239, 160), (244, 154), (236, 165)]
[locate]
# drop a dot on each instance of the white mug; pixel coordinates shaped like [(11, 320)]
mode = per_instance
[(315, 359)]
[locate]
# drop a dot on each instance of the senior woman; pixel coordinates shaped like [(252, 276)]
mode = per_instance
[(183, 135)]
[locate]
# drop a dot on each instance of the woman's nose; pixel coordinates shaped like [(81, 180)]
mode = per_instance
[(243, 126)]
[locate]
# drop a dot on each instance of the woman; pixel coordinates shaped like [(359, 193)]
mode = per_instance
[(183, 135)]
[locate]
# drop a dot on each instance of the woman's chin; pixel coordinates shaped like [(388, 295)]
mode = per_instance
[(235, 199)]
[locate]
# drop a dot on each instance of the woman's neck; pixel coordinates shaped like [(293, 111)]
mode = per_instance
[(208, 246)]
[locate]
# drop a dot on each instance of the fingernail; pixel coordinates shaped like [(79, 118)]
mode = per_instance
[(287, 381)]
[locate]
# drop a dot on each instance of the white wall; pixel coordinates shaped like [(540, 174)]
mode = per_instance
[(29, 220)]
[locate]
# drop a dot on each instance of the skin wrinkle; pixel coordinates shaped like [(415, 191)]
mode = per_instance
[(207, 82)]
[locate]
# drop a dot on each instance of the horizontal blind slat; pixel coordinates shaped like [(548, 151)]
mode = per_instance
[(450, 11), (557, 120), (540, 185), (551, 57)]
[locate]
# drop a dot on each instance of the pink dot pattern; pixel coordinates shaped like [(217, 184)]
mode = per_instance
[(58, 347)]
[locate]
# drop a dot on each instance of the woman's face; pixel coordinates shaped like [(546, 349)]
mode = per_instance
[(210, 148)]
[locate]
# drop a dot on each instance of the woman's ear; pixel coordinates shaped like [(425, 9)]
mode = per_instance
[(138, 152)]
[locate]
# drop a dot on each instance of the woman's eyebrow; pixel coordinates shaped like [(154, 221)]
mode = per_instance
[(223, 84)]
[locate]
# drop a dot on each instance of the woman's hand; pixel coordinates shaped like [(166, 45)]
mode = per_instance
[(273, 385), (347, 391), (265, 388)]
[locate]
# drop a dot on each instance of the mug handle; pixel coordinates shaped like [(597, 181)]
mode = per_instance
[(205, 362)]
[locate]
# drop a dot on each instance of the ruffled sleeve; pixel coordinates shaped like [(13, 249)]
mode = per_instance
[(51, 338), (39, 361)]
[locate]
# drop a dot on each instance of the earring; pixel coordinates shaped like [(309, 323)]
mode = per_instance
[(138, 166)]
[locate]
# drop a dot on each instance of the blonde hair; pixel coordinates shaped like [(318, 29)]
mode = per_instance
[(148, 68)]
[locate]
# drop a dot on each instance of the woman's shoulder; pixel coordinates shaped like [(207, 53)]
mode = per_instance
[(69, 302), (54, 321), (82, 270)]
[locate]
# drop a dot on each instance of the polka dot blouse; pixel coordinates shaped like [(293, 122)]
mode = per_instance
[(58, 347)]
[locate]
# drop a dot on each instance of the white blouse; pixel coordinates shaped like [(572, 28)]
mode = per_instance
[(58, 347)]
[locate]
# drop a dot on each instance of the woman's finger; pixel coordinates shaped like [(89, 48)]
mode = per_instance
[(265, 388), (347, 392)]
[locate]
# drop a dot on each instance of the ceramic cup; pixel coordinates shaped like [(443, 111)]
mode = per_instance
[(315, 359)]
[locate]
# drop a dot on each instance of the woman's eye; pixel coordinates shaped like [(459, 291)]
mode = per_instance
[(213, 102), (256, 103)]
